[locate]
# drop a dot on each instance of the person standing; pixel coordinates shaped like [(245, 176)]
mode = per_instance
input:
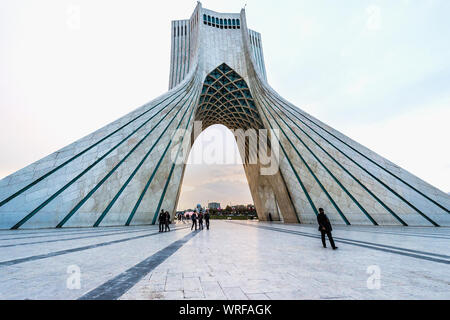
[(207, 220), (167, 221), (194, 220), (325, 228), (200, 220), (161, 220)]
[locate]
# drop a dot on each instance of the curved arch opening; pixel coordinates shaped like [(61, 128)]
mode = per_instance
[(214, 172), (224, 164), (215, 167)]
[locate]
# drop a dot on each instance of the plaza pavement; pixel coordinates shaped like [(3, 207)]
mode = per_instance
[(232, 260)]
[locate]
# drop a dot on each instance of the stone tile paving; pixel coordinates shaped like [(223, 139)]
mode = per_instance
[(236, 261), (233, 260)]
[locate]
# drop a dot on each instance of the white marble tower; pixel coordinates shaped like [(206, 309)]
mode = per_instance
[(123, 173)]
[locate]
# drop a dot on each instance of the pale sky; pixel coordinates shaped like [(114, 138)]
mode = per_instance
[(378, 71)]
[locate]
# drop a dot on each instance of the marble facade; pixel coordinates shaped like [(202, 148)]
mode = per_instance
[(123, 174)]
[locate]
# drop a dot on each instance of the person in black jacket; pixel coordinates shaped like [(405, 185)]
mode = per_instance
[(200, 220), (206, 216), (325, 228), (162, 221), (167, 221), (194, 220)]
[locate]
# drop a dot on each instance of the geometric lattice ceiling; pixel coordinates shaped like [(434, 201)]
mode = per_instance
[(226, 100)]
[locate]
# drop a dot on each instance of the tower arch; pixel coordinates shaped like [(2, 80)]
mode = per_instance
[(226, 99), (123, 173)]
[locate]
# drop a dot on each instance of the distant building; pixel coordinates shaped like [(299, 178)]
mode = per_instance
[(214, 205)]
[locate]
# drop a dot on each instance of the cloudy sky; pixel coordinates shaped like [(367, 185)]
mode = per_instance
[(378, 71)]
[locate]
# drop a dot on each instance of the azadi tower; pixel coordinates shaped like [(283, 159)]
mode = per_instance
[(125, 173)]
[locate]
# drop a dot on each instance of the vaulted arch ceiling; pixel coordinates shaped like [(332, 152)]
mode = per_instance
[(226, 99)]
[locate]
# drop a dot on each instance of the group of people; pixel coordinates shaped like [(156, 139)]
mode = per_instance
[(199, 214), (164, 221), (199, 217)]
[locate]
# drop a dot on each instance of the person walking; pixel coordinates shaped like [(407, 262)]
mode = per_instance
[(167, 221), (200, 220), (207, 220), (194, 220), (161, 220), (325, 228)]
